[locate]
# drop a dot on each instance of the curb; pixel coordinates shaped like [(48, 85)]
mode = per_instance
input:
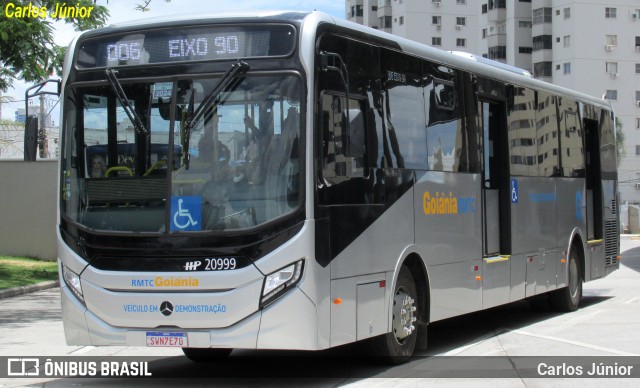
[(21, 290)]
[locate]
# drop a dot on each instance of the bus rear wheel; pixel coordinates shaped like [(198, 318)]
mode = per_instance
[(568, 298), (397, 346), (206, 354)]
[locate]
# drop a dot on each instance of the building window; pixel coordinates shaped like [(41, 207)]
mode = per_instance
[(611, 40), (484, 8), (637, 95), (542, 69), (637, 150), (567, 13), (637, 68), (436, 41), (542, 42), (498, 52), (461, 42), (542, 15), (567, 68), (525, 50), (461, 2), (637, 122), (610, 13), (566, 41), (611, 95), (385, 21), (437, 20), (497, 4), (637, 42), (374, 8), (401, 20), (484, 33), (524, 24), (611, 67), (461, 21)]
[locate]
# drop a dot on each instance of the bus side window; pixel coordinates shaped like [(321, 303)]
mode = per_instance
[(343, 146)]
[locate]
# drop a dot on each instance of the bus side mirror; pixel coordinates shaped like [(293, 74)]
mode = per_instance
[(31, 139)]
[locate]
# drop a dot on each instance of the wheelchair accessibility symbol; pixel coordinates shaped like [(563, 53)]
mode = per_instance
[(514, 191), (186, 213)]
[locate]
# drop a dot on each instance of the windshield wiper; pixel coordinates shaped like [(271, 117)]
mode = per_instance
[(124, 101), (229, 82)]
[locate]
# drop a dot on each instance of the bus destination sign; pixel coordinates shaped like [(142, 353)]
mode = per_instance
[(193, 44)]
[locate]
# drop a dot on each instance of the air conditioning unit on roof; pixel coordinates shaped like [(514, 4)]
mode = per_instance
[(608, 47), (458, 27), (613, 75), (436, 3)]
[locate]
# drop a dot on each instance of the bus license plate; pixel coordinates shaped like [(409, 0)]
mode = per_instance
[(166, 339)]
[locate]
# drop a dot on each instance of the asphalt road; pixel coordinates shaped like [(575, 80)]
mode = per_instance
[(607, 325)]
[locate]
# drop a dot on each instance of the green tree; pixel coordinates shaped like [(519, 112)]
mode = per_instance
[(27, 47)]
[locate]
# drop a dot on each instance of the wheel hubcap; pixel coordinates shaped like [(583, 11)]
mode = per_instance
[(403, 319)]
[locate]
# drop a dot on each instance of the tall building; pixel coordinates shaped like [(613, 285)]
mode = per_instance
[(592, 46), (446, 24), (505, 32)]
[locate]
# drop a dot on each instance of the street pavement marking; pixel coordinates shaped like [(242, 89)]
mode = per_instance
[(576, 343), (631, 300), (501, 331), (83, 349)]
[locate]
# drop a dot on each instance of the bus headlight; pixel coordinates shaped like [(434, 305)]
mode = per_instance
[(72, 280), (280, 281)]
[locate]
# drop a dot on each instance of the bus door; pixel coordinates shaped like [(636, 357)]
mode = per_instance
[(496, 278), (594, 181)]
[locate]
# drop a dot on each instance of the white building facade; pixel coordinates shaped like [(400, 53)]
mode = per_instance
[(446, 24)]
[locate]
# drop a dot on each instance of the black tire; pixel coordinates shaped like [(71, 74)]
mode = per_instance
[(397, 346), (206, 354), (568, 298)]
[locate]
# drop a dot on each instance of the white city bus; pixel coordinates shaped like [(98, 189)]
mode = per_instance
[(295, 181)]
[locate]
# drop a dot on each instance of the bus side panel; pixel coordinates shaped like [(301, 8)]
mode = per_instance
[(378, 247), (449, 231), (571, 215), (534, 235), (365, 262)]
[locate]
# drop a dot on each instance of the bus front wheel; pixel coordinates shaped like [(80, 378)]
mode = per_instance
[(205, 354), (397, 346)]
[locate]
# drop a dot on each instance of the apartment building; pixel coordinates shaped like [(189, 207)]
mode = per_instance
[(446, 24)]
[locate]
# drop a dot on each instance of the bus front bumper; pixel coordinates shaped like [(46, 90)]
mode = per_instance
[(288, 323)]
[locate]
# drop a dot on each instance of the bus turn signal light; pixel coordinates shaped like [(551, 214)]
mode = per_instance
[(337, 300)]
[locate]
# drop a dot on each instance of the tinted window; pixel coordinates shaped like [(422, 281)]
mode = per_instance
[(571, 138)]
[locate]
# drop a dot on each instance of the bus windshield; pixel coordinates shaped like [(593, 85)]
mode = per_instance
[(236, 167)]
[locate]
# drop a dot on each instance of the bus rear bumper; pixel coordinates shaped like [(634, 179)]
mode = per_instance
[(288, 323)]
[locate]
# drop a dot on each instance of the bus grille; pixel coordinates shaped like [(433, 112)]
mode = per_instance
[(611, 242), (614, 208)]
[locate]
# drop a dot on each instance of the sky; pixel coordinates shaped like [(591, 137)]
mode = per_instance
[(124, 10)]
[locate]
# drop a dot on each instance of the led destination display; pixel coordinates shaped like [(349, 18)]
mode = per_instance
[(194, 44)]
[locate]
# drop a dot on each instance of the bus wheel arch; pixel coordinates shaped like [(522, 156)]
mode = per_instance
[(568, 298), (409, 310)]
